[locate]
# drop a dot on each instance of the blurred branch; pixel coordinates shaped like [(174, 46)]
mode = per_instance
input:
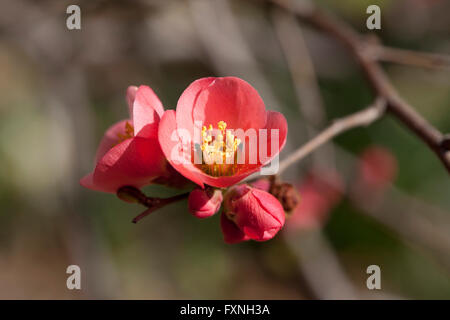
[(412, 58), (304, 77), (227, 49), (360, 118), (419, 224), (320, 265), (376, 77), (132, 194), (405, 215)]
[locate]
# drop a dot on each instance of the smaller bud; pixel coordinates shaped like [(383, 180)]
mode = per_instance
[(204, 203), (287, 195)]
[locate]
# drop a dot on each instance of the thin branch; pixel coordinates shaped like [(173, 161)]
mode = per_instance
[(320, 265), (405, 215), (358, 119), (304, 78), (411, 58), (158, 203), (134, 195), (376, 77)]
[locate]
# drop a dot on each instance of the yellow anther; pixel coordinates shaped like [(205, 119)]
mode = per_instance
[(129, 128), (129, 133), (222, 125), (219, 150)]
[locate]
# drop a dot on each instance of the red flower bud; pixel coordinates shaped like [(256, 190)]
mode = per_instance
[(204, 203), (250, 214)]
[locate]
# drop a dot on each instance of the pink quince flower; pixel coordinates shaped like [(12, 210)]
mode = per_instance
[(129, 152), (319, 194), (377, 167), (250, 213), (219, 104), (204, 203)]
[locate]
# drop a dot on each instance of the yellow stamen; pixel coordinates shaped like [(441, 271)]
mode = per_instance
[(129, 133), (219, 154)]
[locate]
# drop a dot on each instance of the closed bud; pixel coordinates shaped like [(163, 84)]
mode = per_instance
[(250, 213), (204, 203), (287, 195)]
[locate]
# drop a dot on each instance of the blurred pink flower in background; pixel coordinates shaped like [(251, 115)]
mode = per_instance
[(377, 167), (319, 193), (376, 170), (204, 203), (250, 213)]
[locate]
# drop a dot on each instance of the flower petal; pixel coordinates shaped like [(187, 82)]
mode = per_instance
[(88, 182), (270, 204), (275, 121), (110, 138), (130, 96), (226, 181), (133, 162), (147, 108), (232, 100), (171, 146), (231, 233), (187, 101)]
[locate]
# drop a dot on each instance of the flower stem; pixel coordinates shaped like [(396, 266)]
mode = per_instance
[(132, 194)]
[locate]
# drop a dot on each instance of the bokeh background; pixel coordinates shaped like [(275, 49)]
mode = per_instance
[(60, 90)]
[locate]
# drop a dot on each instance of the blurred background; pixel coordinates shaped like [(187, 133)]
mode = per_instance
[(374, 195)]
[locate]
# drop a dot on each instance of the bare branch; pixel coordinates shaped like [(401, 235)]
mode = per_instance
[(304, 78), (412, 58), (134, 195), (319, 263), (376, 77), (358, 119)]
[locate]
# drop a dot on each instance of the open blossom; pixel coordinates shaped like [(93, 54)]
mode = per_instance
[(203, 139), (319, 193), (204, 203), (250, 213), (129, 152)]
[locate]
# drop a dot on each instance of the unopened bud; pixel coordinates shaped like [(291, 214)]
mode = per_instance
[(204, 203), (286, 194)]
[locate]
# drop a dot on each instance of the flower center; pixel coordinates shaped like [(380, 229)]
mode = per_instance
[(129, 133), (219, 150)]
